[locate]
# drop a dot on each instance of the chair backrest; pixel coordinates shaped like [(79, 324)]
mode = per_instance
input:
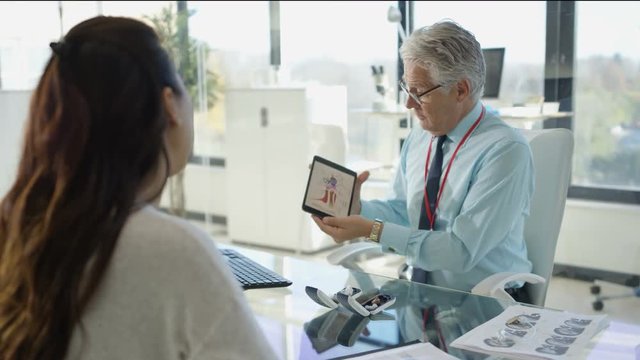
[(552, 151)]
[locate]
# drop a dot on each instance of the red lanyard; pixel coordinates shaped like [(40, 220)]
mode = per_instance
[(431, 217)]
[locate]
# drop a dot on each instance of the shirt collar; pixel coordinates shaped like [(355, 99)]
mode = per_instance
[(458, 132)]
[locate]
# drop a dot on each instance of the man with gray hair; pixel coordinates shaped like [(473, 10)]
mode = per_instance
[(465, 179)]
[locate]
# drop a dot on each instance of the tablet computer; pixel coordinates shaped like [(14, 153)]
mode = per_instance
[(329, 189)]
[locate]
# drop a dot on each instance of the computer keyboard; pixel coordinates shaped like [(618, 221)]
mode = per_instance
[(250, 274)]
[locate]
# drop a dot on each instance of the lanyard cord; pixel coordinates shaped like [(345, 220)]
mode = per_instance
[(431, 217)]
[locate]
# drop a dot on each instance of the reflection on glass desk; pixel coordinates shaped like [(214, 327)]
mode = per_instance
[(298, 328)]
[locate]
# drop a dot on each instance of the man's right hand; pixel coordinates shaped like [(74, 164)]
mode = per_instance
[(355, 207)]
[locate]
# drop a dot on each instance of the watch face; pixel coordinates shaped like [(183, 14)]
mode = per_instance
[(375, 231)]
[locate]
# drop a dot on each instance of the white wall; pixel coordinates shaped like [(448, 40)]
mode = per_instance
[(601, 236), (14, 106)]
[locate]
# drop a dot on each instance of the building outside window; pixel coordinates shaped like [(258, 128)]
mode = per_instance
[(607, 95)]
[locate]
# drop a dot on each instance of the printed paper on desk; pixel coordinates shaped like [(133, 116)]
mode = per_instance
[(526, 332), (419, 351)]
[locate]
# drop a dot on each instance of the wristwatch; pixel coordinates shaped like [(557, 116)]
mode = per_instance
[(376, 231)]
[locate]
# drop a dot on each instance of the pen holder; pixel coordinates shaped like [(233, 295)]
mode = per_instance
[(381, 82), (382, 85)]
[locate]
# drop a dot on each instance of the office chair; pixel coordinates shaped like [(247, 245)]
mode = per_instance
[(598, 303), (552, 151)]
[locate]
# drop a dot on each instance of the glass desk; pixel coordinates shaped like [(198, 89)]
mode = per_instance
[(299, 328)]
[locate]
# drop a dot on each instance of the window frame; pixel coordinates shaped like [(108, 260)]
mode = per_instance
[(560, 43), (558, 84)]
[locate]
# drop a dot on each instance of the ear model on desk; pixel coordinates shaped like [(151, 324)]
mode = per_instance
[(331, 302), (348, 297), (371, 306)]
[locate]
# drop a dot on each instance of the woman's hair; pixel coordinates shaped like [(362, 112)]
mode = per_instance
[(94, 133), (449, 52)]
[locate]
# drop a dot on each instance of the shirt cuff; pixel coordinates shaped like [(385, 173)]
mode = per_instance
[(365, 210), (395, 238)]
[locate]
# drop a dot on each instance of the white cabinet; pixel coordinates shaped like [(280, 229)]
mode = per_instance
[(271, 136), (14, 110)]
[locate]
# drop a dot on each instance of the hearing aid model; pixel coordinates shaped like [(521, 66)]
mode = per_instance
[(353, 299), (371, 306), (323, 299)]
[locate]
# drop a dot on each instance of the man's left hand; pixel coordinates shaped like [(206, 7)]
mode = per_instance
[(344, 228)]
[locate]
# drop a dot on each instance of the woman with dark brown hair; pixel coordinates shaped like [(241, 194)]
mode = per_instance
[(89, 268)]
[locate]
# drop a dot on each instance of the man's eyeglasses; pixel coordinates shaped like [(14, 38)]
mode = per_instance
[(416, 97)]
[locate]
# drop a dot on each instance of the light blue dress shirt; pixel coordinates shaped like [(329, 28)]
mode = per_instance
[(479, 222)]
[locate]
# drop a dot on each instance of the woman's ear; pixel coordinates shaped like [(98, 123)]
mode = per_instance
[(170, 106)]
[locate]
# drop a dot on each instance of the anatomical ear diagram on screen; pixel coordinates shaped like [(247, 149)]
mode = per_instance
[(330, 191)]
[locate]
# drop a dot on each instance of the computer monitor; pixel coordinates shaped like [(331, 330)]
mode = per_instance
[(494, 60)]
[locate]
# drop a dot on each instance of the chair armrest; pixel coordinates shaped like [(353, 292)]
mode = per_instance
[(494, 285), (346, 255)]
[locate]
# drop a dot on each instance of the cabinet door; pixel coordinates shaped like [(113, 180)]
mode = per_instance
[(286, 176), (266, 107), (245, 168), (246, 183), (269, 149), (267, 145)]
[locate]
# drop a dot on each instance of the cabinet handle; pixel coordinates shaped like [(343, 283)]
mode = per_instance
[(264, 117)]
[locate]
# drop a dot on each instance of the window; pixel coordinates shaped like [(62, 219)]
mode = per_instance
[(517, 26), (27, 28), (25, 32), (134, 9), (607, 96), (342, 53), (237, 36), (337, 43)]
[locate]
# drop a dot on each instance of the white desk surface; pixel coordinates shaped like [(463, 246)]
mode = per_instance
[(528, 113), (283, 312)]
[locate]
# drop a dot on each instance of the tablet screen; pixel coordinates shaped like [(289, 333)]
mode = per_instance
[(329, 189)]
